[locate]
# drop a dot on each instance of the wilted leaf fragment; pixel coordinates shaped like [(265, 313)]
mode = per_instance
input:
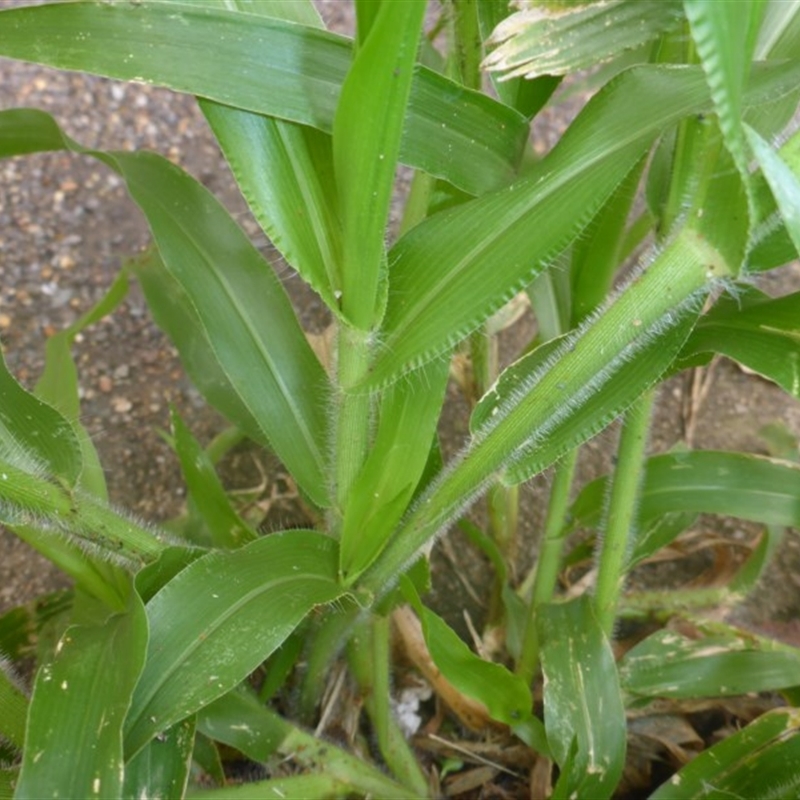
[(667, 664), (760, 761), (547, 41)]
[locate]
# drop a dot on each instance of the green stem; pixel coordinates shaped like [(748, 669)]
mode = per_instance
[(369, 660), (589, 359), (354, 412), (622, 509), (548, 562), (28, 499), (467, 42), (224, 442), (419, 198), (502, 502), (326, 640)]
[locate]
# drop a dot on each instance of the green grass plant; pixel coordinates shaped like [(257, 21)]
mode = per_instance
[(687, 152)]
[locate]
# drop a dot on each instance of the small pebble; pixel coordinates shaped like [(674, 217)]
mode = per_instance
[(121, 405)]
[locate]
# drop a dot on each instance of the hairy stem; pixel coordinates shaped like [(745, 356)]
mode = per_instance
[(622, 506), (369, 660), (682, 273), (353, 415), (548, 562)]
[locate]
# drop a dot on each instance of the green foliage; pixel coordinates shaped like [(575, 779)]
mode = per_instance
[(150, 667)]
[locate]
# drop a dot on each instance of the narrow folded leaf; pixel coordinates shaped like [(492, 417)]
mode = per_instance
[(80, 698), (175, 313), (761, 760), (706, 481), (227, 528), (34, 436), (630, 372), (58, 384), (366, 143), (583, 711), (220, 617), (783, 181), (250, 324), (754, 329), (409, 413), (269, 66), (540, 41), (725, 36)]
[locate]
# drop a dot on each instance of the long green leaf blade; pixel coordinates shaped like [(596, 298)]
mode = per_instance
[(80, 698), (285, 172), (175, 313), (265, 65), (706, 481), (756, 330), (296, 207), (366, 144), (407, 421), (583, 711), (531, 419), (448, 274), (762, 760), (249, 321), (667, 664), (219, 618)]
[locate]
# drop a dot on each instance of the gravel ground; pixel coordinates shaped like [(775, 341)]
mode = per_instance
[(66, 225)]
